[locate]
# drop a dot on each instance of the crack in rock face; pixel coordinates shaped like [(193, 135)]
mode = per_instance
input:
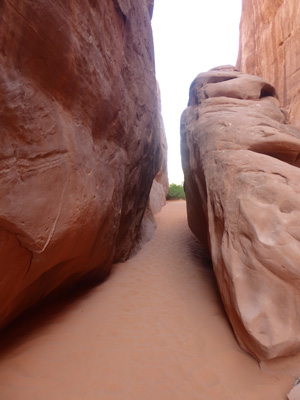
[(240, 159)]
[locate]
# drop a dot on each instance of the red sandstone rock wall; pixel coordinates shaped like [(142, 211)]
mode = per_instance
[(160, 186), (242, 181), (270, 47), (80, 142)]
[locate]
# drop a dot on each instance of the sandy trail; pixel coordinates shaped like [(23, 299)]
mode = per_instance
[(155, 329)]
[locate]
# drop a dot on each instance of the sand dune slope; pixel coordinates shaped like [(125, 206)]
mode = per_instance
[(155, 330)]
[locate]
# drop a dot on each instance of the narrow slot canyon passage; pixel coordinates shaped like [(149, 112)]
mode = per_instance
[(155, 329)]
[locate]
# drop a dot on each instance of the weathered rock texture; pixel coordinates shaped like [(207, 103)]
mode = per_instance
[(159, 189), (160, 186), (270, 47), (242, 182), (80, 141)]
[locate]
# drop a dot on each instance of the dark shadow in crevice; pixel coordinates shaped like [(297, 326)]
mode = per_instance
[(268, 91), (32, 321), (199, 254)]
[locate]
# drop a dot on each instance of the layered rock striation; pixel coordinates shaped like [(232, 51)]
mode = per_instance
[(80, 141), (270, 47), (240, 159)]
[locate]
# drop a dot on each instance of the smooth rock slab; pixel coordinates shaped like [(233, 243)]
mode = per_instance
[(240, 160), (294, 394), (80, 141)]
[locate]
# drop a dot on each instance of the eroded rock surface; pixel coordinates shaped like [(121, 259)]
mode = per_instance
[(160, 186), (242, 181), (80, 141), (269, 47)]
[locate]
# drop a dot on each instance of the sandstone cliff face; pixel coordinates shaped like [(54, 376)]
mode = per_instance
[(270, 47), (80, 141), (242, 181), (160, 186)]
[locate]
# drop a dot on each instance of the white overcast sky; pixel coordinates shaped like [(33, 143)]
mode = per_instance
[(190, 36)]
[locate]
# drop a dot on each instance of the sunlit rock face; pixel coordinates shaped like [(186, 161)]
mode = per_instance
[(242, 182), (80, 141), (270, 47), (294, 394)]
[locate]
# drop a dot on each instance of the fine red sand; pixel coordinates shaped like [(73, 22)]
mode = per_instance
[(156, 329)]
